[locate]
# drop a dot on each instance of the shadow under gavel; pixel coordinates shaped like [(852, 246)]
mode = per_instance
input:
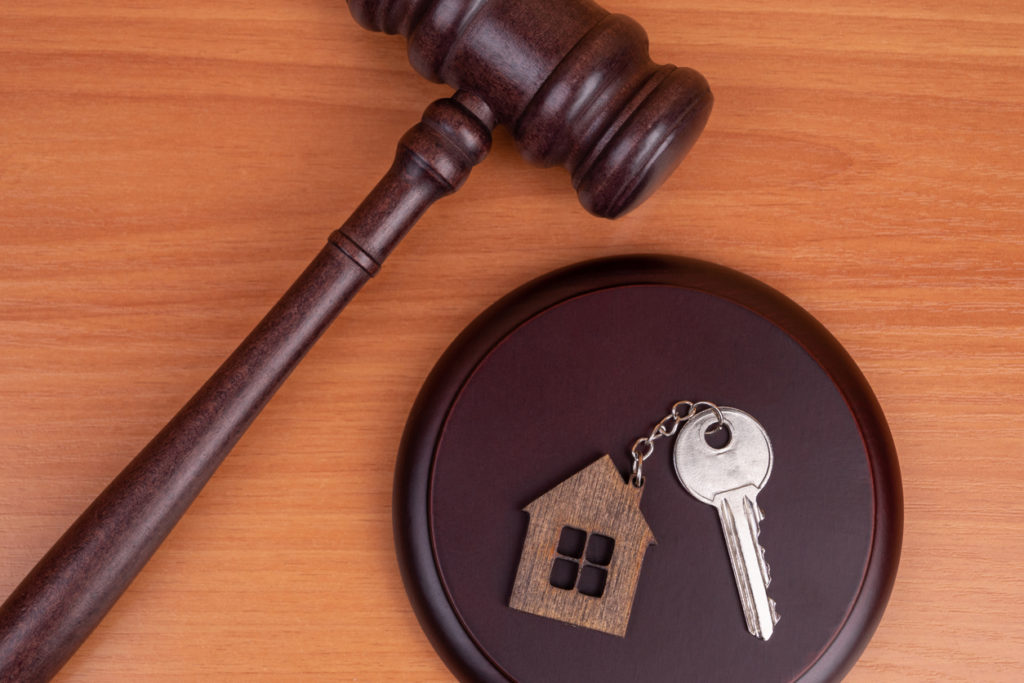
[(576, 87)]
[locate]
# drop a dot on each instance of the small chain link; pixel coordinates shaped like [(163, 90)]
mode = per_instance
[(643, 447)]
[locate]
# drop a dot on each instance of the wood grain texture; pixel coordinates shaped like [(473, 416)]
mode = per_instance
[(70, 590), (167, 171), (593, 503)]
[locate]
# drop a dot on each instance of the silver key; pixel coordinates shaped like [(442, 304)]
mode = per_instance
[(729, 478)]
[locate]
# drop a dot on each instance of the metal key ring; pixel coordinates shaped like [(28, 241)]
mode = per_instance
[(668, 426), (637, 479), (689, 411), (720, 419), (637, 455)]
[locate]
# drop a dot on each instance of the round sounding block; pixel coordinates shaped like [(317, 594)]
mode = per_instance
[(580, 363)]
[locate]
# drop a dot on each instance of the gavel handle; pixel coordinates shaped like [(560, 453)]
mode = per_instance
[(69, 591)]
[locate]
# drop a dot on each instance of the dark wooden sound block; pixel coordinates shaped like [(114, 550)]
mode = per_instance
[(583, 362)]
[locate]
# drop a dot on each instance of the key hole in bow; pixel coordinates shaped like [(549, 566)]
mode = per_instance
[(718, 436)]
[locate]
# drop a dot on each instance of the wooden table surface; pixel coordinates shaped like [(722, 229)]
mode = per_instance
[(167, 170)]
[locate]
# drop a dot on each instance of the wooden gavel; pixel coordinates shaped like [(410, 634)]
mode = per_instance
[(576, 87)]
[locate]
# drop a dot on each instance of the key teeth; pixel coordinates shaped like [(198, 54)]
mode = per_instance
[(766, 570), (775, 613), (755, 512)]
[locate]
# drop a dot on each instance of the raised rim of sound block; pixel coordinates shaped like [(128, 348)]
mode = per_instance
[(411, 498)]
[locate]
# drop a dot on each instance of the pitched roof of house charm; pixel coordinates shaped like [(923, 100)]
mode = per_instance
[(583, 551)]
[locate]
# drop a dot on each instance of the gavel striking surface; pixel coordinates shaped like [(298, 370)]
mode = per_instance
[(581, 363)]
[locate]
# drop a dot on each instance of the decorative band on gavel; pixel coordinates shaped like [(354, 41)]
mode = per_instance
[(576, 87)]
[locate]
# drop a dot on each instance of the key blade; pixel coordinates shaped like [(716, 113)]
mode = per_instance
[(738, 513), (755, 516)]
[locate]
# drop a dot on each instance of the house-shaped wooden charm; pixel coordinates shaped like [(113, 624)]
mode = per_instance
[(584, 548)]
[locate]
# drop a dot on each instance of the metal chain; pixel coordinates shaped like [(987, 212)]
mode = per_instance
[(643, 447)]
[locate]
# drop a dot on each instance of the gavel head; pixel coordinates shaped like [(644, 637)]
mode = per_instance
[(573, 83)]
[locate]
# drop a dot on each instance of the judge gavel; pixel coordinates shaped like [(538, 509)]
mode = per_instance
[(576, 87)]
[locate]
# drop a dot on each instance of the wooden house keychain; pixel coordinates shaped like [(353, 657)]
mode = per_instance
[(587, 538)]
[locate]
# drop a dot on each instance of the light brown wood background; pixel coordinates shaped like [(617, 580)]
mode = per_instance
[(166, 169)]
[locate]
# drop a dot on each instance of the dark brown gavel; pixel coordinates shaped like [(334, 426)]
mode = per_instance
[(576, 87)]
